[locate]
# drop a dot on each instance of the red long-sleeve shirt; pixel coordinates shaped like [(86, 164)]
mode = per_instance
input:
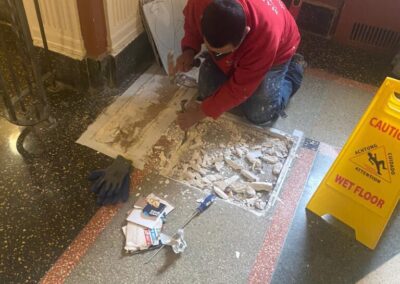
[(272, 40)]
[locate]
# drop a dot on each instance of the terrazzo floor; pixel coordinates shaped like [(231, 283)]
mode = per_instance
[(45, 202)]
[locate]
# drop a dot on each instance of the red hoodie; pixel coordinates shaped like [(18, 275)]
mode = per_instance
[(272, 40)]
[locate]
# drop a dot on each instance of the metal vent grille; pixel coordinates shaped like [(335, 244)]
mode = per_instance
[(375, 36)]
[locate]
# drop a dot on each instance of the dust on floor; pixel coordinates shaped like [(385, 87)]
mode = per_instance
[(238, 161)]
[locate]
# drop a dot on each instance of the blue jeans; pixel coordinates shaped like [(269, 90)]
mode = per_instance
[(270, 98)]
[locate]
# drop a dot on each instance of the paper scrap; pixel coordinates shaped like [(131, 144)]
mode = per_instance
[(139, 238)]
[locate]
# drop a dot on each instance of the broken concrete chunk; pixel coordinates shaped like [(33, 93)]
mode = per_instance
[(218, 165), (270, 159), (237, 198), (234, 165), (211, 178), (267, 144), (219, 192), (238, 187), (251, 201), (276, 170), (202, 171), (279, 154), (261, 186), (248, 175), (250, 192), (238, 152), (219, 158), (252, 160), (254, 154), (271, 152), (206, 180), (215, 177), (199, 169), (275, 141), (228, 191), (260, 205), (188, 175), (281, 146), (226, 182), (256, 166), (281, 149), (255, 163), (206, 161), (216, 159), (218, 176), (257, 147)]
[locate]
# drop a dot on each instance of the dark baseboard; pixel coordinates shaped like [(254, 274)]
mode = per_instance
[(111, 71), (132, 61), (82, 75)]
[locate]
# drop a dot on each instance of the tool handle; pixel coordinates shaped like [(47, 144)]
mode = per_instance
[(206, 203), (201, 208)]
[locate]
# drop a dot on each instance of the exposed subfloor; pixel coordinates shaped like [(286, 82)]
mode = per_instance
[(45, 202)]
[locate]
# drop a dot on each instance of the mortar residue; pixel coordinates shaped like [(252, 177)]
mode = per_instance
[(238, 163)]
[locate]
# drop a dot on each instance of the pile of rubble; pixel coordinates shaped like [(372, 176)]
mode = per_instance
[(238, 164)]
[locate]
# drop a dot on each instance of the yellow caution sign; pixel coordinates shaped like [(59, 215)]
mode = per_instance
[(362, 187)]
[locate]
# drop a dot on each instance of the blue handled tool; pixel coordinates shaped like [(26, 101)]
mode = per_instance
[(200, 209)]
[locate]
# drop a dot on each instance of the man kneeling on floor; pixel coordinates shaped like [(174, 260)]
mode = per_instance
[(251, 60)]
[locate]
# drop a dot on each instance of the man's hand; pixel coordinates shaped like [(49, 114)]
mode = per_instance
[(191, 116), (185, 61)]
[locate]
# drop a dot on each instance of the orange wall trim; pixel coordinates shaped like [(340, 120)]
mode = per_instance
[(93, 27)]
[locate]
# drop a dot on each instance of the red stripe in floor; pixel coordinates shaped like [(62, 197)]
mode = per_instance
[(78, 248), (275, 236), (266, 259)]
